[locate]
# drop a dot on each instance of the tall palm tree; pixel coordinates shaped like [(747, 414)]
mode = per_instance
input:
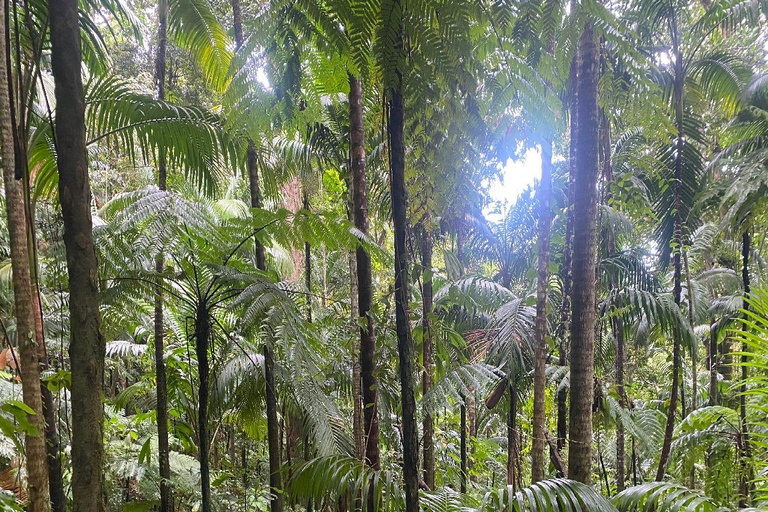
[(405, 349), (584, 254), (364, 278), (162, 181), (86, 350)]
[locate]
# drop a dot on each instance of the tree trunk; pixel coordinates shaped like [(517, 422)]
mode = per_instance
[(745, 451), (159, 327), (53, 445), (86, 349), (308, 265), (617, 324), (513, 463), (694, 348), (273, 428), (539, 371), (428, 427), (463, 444), (565, 311), (202, 338), (358, 435), (713, 391), (357, 389), (584, 254), (26, 342), (364, 279), (678, 240), (396, 129)]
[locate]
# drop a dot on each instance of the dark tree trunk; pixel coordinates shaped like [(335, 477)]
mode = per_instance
[(26, 340), (364, 279), (616, 323), (678, 240), (745, 451), (539, 372), (358, 434), (202, 339), (396, 132), (428, 426), (161, 385), (694, 359), (514, 477), (273, 428), (308, 266), (86, 349), (712, 363), (463, 445), (53, 446), (584, 254)]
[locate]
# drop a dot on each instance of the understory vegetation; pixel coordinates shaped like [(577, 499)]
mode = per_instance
[(384, 255)]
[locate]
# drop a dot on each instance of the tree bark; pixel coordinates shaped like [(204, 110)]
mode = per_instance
[(86, 349), (26, 341), (565, 311), (463, 445), (539, 371), (616, 324), (161, 410), (202, 339), (428, 427), (358, 434), (308, 265), (745, 451), (514, 477), (713, 355), (584, 254), (396, 133), (678, 240), (364, 278)]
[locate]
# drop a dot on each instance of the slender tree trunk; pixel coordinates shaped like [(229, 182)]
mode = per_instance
[(202, 339), (86, 349), (678, 240), (513, 475), (565, 311), (55, 473), (364, 278), (357, 389), (472, 426), (163, 449), (428, 427), (26, 342), (463, 445), (691, 321), (617, 324), (713, 335), (396, 133), (273, 428), (354, 307), (308, 265), (584, 254), (539, 371), (745, 449)]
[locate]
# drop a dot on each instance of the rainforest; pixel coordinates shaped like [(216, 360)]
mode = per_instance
[(384, 255)]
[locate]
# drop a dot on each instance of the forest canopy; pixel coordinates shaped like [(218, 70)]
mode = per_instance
[(282, 255)]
